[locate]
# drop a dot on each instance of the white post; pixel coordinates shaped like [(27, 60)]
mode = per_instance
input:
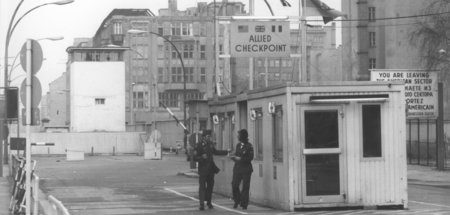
[(250, 62), (28, 131), (302, 31)]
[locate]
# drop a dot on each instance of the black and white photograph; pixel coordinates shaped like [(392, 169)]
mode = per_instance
[(173, 107)]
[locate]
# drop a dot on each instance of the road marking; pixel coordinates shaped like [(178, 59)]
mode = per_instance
[(425, 203), (194, 199)]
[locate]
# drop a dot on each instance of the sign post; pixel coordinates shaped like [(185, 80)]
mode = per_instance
[(32, 63)]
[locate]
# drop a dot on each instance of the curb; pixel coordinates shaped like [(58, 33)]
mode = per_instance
[(190, 174)]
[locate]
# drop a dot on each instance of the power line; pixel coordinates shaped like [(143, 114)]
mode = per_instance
[(385, 18)]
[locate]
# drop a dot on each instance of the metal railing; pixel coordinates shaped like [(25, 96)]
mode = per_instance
[(422, 142)]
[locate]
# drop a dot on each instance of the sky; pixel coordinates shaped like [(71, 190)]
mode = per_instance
[(82, 19)]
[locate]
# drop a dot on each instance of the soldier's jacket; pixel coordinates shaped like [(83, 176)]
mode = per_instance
[(206, 166), (245, 152)]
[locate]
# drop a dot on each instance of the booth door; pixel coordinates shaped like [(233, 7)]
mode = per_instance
[(322, 161)]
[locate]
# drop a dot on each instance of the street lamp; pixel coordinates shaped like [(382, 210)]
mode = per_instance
[(11, 27), (135, 31)]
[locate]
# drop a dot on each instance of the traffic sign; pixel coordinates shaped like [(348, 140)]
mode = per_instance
[(36, 92), (36, 57), (35, 116)]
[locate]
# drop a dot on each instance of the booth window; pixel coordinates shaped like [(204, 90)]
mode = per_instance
[(258, 134), (371, 122), (277, 131)]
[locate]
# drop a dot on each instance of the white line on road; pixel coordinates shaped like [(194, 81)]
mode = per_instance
[(425, 203), (194, 199)]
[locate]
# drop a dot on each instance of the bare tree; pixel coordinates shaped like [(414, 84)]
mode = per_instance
[(432, 36)]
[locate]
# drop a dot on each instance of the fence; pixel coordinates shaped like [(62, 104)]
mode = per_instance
[(422, 142), (56, 207)]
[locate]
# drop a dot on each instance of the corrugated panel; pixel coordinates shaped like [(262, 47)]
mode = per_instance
[(380, 178)]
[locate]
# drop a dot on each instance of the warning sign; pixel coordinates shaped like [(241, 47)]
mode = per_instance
[(420, 90), (260, 39)]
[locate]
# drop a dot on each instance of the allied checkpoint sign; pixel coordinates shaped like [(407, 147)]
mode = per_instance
[(421, 90), (259, 38)]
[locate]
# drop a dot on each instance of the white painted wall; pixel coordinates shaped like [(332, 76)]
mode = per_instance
[(91, 80), (87, 142)]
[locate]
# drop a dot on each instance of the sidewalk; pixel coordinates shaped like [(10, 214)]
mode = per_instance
[(430, 176), (4, 192)]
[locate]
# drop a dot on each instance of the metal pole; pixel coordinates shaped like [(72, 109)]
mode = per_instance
[(428, 142), (131, 103), (418, 141), (410, 147), (28, 129), (250, 59), (440, 129)]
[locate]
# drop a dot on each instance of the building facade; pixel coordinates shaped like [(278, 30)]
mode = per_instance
[(376, 39), (379, 37)]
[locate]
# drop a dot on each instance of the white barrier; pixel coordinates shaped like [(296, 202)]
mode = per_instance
[(35, 193), (57, 206), (88, 142)]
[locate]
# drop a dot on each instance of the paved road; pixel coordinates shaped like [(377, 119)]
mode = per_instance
[(130, 185)]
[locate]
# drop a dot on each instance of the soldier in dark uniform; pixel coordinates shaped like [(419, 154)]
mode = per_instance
[(204, 152), (242, 170)]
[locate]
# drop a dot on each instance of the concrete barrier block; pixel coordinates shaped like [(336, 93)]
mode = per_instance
[(152, 151), (74, 155)]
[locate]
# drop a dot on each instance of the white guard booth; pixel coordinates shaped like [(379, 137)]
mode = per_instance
[(318, 145)]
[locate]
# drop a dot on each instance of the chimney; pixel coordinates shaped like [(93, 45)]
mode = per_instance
[(173, 5)]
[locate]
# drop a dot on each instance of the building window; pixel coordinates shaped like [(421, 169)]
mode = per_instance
[(99, 101), (140, 100), (259, 63), (372, 41), (371, 122), (169, 99), (176, 29), (172, 99), (186, 29), (202, 52), (202, 30), (188, 51), (160, 75), (221, 49), (258, 134), (117, 28), (161, 51), (203, 75), (277, 129), (189, 74), (372, 16), (177, 75), (160, 28), (372, 63), (277, 63)]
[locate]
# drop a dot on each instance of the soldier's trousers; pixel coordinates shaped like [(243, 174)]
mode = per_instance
[(241, 196), (205, 188)]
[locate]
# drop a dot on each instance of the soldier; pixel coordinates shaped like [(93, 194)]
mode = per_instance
[(242, 170), (204, 152)]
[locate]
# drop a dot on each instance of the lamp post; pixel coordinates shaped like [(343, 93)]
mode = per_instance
[(11, 27), (131, 104), (135, 31)]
